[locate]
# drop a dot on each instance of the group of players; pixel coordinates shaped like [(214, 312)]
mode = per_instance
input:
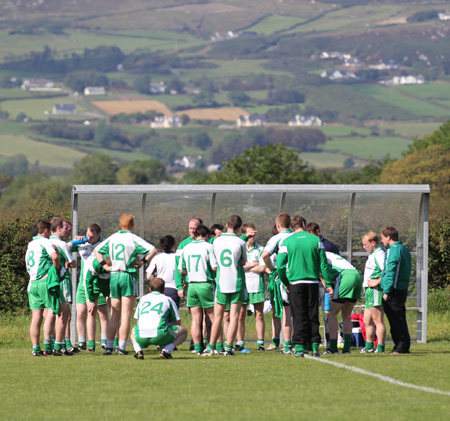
[(220, 271)]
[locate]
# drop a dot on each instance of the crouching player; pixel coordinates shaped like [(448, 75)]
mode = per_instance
[(347, 288), (158, 322)]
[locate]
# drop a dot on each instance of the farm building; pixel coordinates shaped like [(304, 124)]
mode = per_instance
[(305, 120), (64, 109), (166, 122), (251, 120), (94, 90)]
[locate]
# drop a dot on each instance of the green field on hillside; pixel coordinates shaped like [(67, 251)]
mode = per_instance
[(411, 129), (47, 154), (328, 160), (394, 97), (369, 147), (356, 17), (335, 131), (36, 108), (434, 90), (275, 23)]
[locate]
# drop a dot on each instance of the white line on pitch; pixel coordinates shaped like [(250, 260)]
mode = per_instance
[(380, 376)]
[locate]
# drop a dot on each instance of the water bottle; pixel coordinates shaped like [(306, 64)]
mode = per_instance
[(78, 242), (327, 303)]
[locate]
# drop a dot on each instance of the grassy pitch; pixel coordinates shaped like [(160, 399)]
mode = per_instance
[(259, 385)]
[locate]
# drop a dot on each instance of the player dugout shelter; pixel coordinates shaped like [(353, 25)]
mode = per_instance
[(345, 213)]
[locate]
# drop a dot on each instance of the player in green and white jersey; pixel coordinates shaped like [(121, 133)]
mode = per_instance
[(158, 322), (300, 264), (86, 320), (373, 312), (347, 286), (181, 283), (40, 258), (58, 235), (123, 249), (195, 265), (228, 256), (278, 294), (254, 285), (179, 279)]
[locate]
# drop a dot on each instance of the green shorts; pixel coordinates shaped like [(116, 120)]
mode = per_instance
[(374, 297), (162, 340), (39, 297), (349, 285), (66, 287), (200, 294), (81, 296), (123, 284), (230, 297), (256, 297)]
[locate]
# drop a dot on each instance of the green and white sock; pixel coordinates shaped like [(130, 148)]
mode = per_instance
[(92, 344), (116, 342), (82, 340), (369, 345), (48, 345), (260, 342), (219, 346), (380, 347), (240, 343), (59, 346), (198, 348), (68, 343), (287, 346)]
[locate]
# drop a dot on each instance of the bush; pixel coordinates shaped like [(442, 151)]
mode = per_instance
[(438, 300), (15, 234)]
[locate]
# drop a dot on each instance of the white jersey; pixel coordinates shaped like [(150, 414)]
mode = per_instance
[(38, 258), (226, 254), (86, 252), (254, 281), (164, 263), (155, 313), (274, 243), (195, 259), (64, 253), (338, 262), (123, 248), (374, 265)]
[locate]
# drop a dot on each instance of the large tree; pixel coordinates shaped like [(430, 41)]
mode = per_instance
[(142, 172), (96, 169), (271, 164)]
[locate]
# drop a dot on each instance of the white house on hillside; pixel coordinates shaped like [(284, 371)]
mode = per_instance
[(251, 120), (338, 74), (157, 87), (305, 121), (166, 122), (404, 80), (59, 109), (36, 85), (94, 90)]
